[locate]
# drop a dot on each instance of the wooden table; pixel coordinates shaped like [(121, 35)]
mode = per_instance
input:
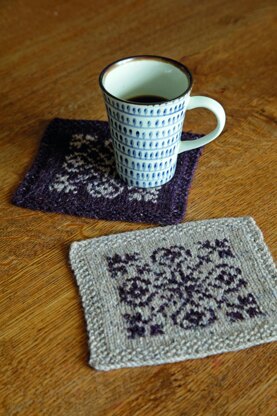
[(52, 53)]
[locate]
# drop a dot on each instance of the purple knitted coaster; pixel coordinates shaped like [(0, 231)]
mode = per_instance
[(74, 173)]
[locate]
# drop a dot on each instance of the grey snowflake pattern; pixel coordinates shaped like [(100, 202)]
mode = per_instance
[(87, 164)]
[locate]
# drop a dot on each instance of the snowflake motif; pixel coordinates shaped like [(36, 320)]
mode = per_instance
[(90, 164), (63, 184), (180, 288), (140, 194)]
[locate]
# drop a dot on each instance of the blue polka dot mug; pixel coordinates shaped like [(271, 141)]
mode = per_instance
[(146, 99)]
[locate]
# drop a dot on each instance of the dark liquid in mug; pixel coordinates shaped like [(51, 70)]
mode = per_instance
[(147, 99)]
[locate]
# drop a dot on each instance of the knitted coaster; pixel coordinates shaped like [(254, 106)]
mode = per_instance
[(173, 293), (74, 173)]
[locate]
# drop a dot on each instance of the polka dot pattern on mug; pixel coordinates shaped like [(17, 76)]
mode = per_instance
[(146, 139)]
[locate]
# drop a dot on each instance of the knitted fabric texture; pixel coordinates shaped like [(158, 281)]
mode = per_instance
[(74, 173), (178, 292)]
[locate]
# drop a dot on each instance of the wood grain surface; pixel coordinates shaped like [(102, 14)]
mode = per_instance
[(51, 54)]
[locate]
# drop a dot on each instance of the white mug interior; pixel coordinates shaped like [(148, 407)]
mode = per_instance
[(140, 76)]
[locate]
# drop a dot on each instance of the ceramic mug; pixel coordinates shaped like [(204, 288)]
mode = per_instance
[(146, 134)]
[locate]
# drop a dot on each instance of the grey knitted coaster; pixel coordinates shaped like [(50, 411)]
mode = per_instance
[(178, 292)]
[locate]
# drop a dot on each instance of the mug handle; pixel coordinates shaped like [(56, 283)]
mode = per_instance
[(214, 107)]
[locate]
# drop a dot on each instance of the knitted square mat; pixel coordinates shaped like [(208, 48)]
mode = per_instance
[(74, 173), (174, 293)]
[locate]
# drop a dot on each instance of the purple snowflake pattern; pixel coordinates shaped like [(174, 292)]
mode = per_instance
[(182, 288)]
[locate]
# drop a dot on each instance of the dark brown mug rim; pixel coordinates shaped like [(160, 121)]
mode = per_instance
[(179, 65)]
